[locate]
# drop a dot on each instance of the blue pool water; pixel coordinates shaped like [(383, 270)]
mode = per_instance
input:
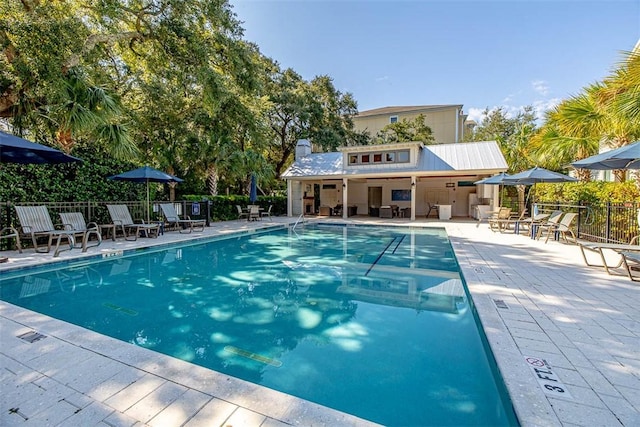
[(371, 321)]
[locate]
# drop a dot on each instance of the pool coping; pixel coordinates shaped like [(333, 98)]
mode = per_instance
[(532, 406)]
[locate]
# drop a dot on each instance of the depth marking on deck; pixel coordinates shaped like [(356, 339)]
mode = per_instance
[(548, 381)]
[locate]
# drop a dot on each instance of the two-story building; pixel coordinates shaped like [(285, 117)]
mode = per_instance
[(447, 122)]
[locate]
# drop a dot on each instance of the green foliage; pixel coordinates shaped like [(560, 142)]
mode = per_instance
[(223, 208), (406, 131), (71, 182), (593, 193)]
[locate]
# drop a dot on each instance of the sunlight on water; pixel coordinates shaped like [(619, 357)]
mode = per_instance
[(367, 320)]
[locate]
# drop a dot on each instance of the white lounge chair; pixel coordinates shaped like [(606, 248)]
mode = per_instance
[(242, 213), (36, 223), (267, 213), (254, 212), (121, 218), (184, 225), (563, 227)]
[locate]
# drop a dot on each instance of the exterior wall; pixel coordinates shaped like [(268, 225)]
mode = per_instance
[(428, 189), (442, 122)]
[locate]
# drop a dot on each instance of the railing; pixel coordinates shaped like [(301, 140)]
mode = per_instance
[(610, 223), (96, 211)]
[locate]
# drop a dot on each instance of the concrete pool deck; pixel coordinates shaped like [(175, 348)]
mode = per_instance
[(579, 327)]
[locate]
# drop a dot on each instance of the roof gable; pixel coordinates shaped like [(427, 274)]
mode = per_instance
[(467, 157)]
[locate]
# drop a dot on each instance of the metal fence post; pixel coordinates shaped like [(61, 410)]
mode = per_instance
[(607, 230)]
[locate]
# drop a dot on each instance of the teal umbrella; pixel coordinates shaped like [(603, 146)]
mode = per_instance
[(626, 157), (495, 180)]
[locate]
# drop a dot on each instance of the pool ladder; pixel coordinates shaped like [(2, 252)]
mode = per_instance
[(300, 218)]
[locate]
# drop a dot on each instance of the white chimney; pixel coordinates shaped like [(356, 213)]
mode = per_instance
[(303, 148)]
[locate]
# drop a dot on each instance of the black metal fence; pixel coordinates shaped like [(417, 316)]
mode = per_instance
[(96, 211), (610, 223)]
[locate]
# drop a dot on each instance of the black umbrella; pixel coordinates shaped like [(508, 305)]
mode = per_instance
[(145, 174), (14, 149)]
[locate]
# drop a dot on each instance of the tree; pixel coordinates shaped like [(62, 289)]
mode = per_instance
[(606, 112), (513, 134), (43, 86), (299, 109), (406, 130)]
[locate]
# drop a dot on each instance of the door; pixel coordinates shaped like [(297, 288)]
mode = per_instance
[(374, 200)]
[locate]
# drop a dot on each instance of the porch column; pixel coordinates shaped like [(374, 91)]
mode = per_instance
[(289, 198), (345, 210), (413, 197)]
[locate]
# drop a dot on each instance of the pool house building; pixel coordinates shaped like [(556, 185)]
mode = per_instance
[(402, 179)]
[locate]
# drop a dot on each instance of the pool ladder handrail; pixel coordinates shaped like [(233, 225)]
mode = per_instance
[(301, 217)]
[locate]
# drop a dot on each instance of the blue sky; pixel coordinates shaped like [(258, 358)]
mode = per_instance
[(476, 53)]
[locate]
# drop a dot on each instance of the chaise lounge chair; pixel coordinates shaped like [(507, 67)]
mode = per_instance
[(74, 221), (36, 223), (497, 220), (631, 262), (184, 225), (121, 218), (551, 223), (563, 228), (599, 248)]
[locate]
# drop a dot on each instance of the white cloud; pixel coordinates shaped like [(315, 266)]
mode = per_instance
[(475, 114), (542, 106), (381, 79), (541, 87)]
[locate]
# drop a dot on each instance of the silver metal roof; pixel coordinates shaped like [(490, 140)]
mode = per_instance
[(438, 159)]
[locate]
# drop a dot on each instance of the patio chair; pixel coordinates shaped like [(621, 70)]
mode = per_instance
[(599, 248), (563, 228), (184, 225), (254, 213), (8, 233), (267, 213), (36, 223), (431, 207), (513, 222), (74, 221), (495, 221), (121, 218), (631, 262), (551, 222), (242, 213)]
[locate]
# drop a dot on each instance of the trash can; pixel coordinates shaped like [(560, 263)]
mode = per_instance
[(445, 212)]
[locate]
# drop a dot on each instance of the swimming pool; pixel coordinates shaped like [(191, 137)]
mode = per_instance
[(367, 320)]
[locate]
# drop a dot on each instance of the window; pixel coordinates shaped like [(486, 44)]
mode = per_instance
[(393, 119), (400, 156)]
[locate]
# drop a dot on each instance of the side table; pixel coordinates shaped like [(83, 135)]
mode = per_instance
[(110, 229)]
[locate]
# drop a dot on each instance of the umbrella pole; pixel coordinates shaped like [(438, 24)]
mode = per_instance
[(148, 216)]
